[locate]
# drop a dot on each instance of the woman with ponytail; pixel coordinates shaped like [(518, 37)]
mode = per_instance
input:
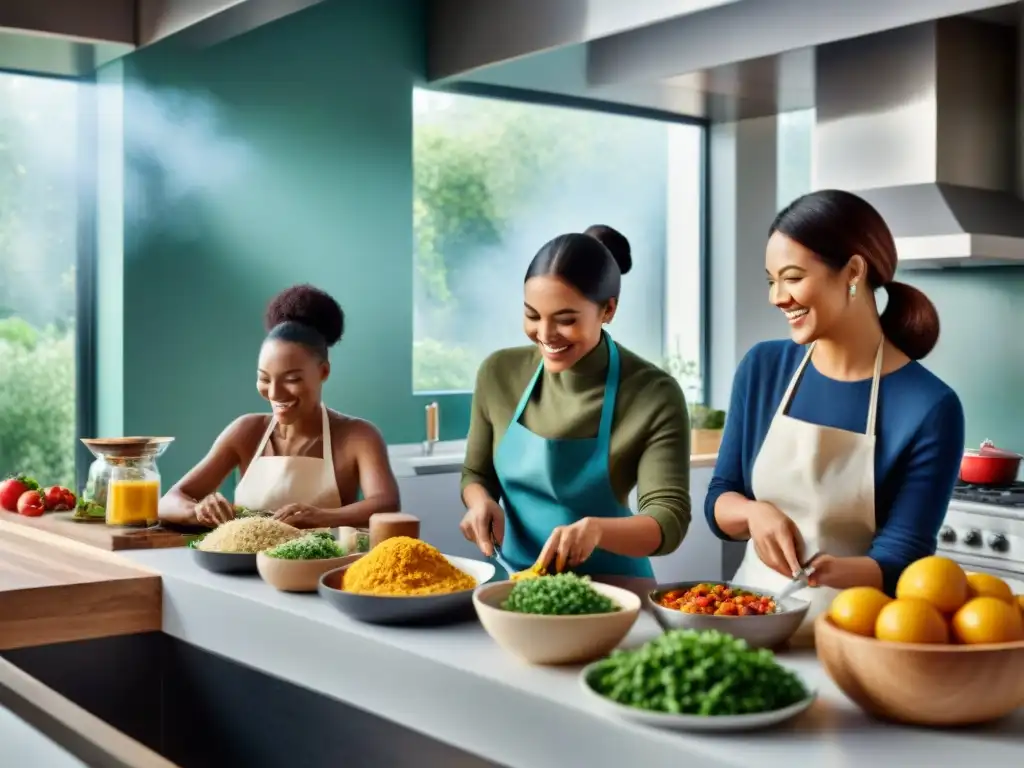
[(838, 442)]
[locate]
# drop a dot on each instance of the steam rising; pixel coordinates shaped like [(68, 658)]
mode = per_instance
[(177, 144)]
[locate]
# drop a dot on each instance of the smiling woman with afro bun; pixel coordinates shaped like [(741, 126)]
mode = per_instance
[(303, 463)]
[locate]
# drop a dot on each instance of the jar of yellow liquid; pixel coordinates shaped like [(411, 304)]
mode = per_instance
[(132, 493)]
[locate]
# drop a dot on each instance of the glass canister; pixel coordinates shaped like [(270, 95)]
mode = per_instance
[(128, 480), (133, 495)]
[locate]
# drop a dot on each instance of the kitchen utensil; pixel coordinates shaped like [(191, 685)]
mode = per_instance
[(923, 684), (768, 631), (501, 560), (234, 563), (530, 573), (124, 479), (555, 639), (989, 465), (415, 609), (295, 575), (800, 580), (705, 723)]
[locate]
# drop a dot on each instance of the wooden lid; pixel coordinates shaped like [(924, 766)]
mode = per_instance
[(387, 525), (127, 447)]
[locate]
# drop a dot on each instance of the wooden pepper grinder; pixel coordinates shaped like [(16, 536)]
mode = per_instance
[(387, 525)]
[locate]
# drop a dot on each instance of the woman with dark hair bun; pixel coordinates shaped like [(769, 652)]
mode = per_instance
[(838, 443), (303, 462), (564, 429)]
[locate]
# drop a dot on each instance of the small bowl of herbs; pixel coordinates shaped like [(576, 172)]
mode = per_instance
[(297, 565), (561, 618)]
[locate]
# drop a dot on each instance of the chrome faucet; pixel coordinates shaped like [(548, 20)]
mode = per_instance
[(433, 428)]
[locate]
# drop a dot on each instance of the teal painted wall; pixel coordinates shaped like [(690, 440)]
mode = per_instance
[(981, 348), (279, 157)]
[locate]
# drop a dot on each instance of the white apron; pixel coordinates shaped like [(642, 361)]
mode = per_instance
[(272, 482), (823, 479)]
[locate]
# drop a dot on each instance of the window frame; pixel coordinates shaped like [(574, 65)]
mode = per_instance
[(86, 152), (86, 402), (582, 103)]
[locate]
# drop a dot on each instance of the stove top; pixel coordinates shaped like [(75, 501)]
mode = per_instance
[(1011, 496)]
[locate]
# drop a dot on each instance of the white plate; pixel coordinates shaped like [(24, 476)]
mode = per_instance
[(706, 723), (478, 569)]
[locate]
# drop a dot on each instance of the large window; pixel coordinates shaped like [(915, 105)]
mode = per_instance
[(496, 179), (38, 252)]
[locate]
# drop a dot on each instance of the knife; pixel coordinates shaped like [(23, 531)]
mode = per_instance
[(800, 580)]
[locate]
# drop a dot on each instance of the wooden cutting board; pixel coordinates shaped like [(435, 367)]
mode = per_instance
[(54, 590), (98, 534)]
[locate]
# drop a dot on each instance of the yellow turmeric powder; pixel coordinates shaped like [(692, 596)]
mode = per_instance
[(403, 567)]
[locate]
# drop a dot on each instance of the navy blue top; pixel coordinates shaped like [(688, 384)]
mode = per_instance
[(919, 442)]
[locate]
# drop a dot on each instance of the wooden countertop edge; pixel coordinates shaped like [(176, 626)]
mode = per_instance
[(703, 460), (84, 735), (78, 547)]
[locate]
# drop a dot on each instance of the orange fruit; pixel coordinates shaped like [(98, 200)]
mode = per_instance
[(911, 620), (936, 580), (987, 585), (988, 620), (856, 609), (1020, 601)]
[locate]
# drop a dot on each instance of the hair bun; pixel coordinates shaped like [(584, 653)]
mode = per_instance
[(615, 242), (309, 306)]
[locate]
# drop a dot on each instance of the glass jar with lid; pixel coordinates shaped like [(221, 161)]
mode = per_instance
[(127, 480)]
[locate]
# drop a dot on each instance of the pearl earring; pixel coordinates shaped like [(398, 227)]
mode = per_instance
[(853, 290)]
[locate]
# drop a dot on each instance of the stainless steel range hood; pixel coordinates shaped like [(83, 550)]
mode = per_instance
[(923, 123)]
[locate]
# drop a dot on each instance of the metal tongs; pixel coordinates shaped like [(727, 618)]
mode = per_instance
[(800, 580)]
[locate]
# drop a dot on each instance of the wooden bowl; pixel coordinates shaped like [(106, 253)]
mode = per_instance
[(295, 575), (921, 684), (555, 639)]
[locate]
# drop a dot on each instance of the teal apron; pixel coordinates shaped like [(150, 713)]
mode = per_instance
[(547, 483)]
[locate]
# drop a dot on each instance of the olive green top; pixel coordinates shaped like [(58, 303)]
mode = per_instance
[(650, 443)]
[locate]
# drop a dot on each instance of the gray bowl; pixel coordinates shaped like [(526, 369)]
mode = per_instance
[(769, 631), (225, 562), (425, 610)]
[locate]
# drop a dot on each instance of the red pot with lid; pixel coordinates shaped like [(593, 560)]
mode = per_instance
[(989, 465)]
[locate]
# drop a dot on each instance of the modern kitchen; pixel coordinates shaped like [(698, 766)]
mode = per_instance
[(228, 149)]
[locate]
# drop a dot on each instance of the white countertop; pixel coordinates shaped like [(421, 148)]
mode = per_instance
[(22, 745), (454, 684)]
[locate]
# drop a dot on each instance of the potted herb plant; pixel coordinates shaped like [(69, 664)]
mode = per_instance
[(706, 427), (706, 424)]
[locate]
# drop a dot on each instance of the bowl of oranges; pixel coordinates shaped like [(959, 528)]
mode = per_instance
[(947, 651)]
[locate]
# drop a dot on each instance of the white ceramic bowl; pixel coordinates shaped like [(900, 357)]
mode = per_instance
[(556, 639)]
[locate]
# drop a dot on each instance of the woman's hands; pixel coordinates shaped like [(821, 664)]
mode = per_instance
[(214, 510), (481, 519), (775, 537), (303, 516), (570, 545)]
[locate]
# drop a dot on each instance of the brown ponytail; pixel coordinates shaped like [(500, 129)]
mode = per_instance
[(838, 225), (910, 320)]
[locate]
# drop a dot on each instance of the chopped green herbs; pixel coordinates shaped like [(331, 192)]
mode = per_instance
[(560, 594), (697, 673), (241, 511), (313, 546)]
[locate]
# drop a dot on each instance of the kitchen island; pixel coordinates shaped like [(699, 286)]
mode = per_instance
[(455, 686)]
